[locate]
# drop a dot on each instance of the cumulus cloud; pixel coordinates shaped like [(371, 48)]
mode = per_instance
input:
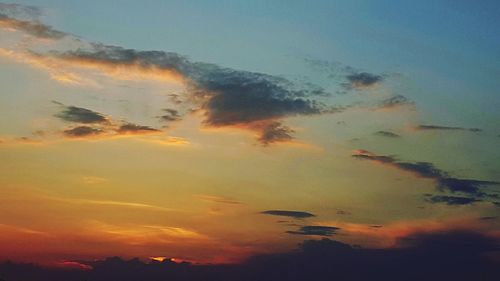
[(286, 213), (315, 230), (443, 180)]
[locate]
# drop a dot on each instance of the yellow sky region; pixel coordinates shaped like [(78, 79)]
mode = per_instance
[(87, 199)]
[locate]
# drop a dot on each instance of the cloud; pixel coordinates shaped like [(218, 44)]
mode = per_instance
[(275, 132), (451, 200), (170, 115), (445, 128), (225, 96), (292, 214), (387, 134), (395, 102), (315, 230), (361, 80), (130, 128), (82, 131), (35, 29), (80, 115), (443, 180)]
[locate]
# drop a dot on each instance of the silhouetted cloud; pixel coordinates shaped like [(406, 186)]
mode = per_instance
[(362, 80), (387, 134), (395, 101), (315, 230), (80, 115), (130, 128), (286, 213), (456, 255), (82, 131), (443, 180), (451, 200), (445, 128)]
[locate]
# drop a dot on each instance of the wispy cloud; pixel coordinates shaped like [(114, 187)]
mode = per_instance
[(287, 213), (427, 170)]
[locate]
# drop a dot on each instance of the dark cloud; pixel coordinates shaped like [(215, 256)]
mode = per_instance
[(82, 131), (130, 128), (343, 213), (227, 97), (315, 230), (275, 132), (285, 213), (447, 255), (488, 218), (361, 80), (80, 115), (451, 200), (445, 128), (387, 134), (444, 181), (394, 102), (170, 115), (30, 27)]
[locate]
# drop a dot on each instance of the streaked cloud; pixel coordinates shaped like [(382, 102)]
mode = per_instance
[(445, 128), (287, 213), (387, 134), (318, 230), (80, 115), (427, 170)]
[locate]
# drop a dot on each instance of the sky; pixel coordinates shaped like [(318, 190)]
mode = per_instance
[(214, 131)]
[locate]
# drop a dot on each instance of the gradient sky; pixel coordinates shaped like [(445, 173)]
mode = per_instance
[(253, 125)]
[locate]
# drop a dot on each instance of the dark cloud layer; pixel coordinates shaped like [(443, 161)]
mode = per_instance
[(82, 131), (285, 213), (444, 181), (446, 128), (80, 115), (450, 255), (315, 230)]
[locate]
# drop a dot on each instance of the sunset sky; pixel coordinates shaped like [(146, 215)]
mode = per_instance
[(212, 131)]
